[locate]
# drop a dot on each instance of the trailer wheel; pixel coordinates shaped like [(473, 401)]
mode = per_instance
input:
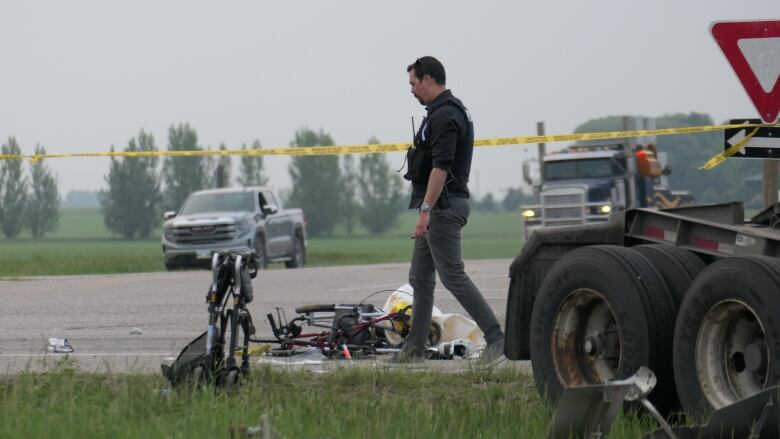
[(601, 313), (727, 337), (677, 266)]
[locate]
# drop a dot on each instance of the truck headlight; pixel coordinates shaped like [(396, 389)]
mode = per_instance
[(168, 232), (529, 213), (605, 209)]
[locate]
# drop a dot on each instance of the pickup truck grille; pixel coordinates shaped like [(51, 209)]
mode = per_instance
[(203, 234)]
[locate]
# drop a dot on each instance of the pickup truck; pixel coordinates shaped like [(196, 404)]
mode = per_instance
[(235, 218)]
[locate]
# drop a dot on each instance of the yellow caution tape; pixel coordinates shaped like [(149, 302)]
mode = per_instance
[(720, 158), (388, 147)]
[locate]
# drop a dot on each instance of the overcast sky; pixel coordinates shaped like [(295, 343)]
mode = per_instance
[(79, 76)]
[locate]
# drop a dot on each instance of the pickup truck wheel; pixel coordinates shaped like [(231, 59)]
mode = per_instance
[(170, 265), (677, 266), (601, 313), (726, 342), (262, 255), (299, 254)]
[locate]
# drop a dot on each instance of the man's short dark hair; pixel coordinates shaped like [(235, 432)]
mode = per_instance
[(428, 65)]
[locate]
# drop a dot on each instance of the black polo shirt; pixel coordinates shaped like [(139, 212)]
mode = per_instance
[(449, 131)]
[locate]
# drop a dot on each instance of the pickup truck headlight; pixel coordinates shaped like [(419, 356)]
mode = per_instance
[(168, 232), (242, 226)]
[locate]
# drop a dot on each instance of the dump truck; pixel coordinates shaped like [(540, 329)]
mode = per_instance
[(692, 292)]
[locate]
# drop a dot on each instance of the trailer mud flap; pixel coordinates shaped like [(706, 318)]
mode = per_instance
[(755, 417)]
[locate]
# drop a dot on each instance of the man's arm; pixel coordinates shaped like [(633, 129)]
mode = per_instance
[(432, 193)]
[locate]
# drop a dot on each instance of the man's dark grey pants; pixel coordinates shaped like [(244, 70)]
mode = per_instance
[(439, 252)]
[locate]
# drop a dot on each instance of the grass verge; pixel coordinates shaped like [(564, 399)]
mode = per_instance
[(349, 403)]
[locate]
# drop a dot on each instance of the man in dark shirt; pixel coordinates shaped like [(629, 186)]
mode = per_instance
[(439, 170)]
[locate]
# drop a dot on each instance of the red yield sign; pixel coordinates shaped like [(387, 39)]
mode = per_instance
[(753, 50)]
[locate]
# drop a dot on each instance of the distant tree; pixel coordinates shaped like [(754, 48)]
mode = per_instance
[(183, 175), (486, 204), (316, 183), (42, 212), (210, 165), (687, 152), (514, 198), (349, 202), (132, 202), (224, 169), (14, 191), (381, 191), (251, 171)]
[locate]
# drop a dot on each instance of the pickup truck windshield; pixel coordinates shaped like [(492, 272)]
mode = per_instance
[(580, 169), (226, 202)]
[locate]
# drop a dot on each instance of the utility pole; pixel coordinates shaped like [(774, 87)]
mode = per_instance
[(770, 182), (542, 148)]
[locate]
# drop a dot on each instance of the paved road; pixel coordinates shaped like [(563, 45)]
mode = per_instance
[(97, 313)]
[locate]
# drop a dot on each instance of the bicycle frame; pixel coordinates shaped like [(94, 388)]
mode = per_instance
[(223, 319), (289, 334)]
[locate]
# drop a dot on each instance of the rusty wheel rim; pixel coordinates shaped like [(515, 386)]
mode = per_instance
[(732, 357), (586, 342)]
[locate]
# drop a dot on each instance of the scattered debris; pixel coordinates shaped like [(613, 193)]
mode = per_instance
[(457, 348), (455, 327), (60, 345), (136, 331)]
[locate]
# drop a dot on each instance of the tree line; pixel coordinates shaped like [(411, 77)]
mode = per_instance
[(347, 191), (28, 200), (331, 190)]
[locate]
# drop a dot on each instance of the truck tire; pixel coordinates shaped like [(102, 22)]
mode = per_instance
[(299, 254), (601, 313), (727, 337), (677, 266), (260, 251)]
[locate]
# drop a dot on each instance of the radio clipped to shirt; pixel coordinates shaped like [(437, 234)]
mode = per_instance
[(419, 157)]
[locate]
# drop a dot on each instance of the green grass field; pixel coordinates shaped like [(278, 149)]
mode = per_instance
[(350, 403), (82, 245)]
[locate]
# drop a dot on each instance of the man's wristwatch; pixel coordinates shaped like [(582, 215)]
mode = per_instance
[(425, 207)]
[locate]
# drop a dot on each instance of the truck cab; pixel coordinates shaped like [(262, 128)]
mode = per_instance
[(580, 185), (586, 182)]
